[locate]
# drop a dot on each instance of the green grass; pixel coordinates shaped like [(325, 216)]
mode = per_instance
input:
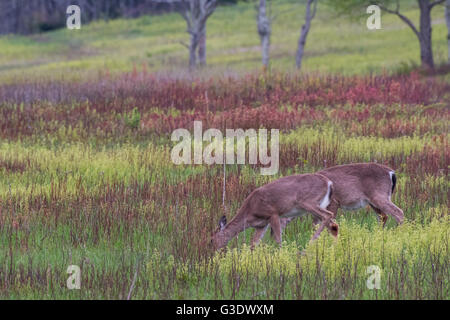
[(335, 44), (127, 162), (89, 181), (338, 265), (95, 208)]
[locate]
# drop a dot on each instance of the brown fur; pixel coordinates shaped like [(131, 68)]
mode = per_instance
[(265, 206), (362, 183)]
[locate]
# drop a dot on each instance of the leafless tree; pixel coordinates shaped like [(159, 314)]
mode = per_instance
[(30, 16), (264, 30), (265, 18), (310, 13), (196, 13), (425, 28), (447, 19), (422, 31)]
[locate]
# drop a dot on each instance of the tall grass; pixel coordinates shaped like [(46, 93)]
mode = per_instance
[(412, 259), (86, 179)]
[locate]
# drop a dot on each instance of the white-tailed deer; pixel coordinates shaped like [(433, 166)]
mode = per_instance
[(290, 196), (358, 185)]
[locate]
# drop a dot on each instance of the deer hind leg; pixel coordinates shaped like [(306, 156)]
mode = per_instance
[(332, 207), (258, 235), (382, 217), (326, 217), (387, 207)]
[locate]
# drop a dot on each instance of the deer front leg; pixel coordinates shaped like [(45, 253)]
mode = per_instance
[(275, 224), (284, 222), (258, 235)]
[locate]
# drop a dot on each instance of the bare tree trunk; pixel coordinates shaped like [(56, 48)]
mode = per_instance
[(424, 31), (202, 47), (196, 14), (17, 12), (447, 19), (309, 15), (264, 31), (193, 50), (426, 49)]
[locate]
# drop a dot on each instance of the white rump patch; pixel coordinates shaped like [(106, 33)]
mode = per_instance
[(326, 200), (391, 173)]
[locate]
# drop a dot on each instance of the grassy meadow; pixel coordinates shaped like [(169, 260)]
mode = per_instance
[(335, 44), (86, 176)]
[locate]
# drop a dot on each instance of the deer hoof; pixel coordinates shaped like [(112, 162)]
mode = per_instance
[(334, 229)]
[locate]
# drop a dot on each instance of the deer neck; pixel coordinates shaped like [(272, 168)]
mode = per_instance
[(235, 226)]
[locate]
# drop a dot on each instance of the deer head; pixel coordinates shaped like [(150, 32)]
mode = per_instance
[(218, 238)]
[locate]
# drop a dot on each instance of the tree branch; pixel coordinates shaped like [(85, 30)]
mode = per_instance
[(210, 7), (403, 17), (186, 16), (314, 9), (431, 5), (184, 44)]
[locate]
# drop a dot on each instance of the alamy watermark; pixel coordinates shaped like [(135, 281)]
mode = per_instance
[(374, 280), (373, 21), (74, 19), (232, 151), (74, 280)]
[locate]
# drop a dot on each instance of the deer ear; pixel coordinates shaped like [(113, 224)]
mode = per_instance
[(222, 223)]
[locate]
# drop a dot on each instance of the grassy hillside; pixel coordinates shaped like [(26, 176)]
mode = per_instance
[(335, 44)]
